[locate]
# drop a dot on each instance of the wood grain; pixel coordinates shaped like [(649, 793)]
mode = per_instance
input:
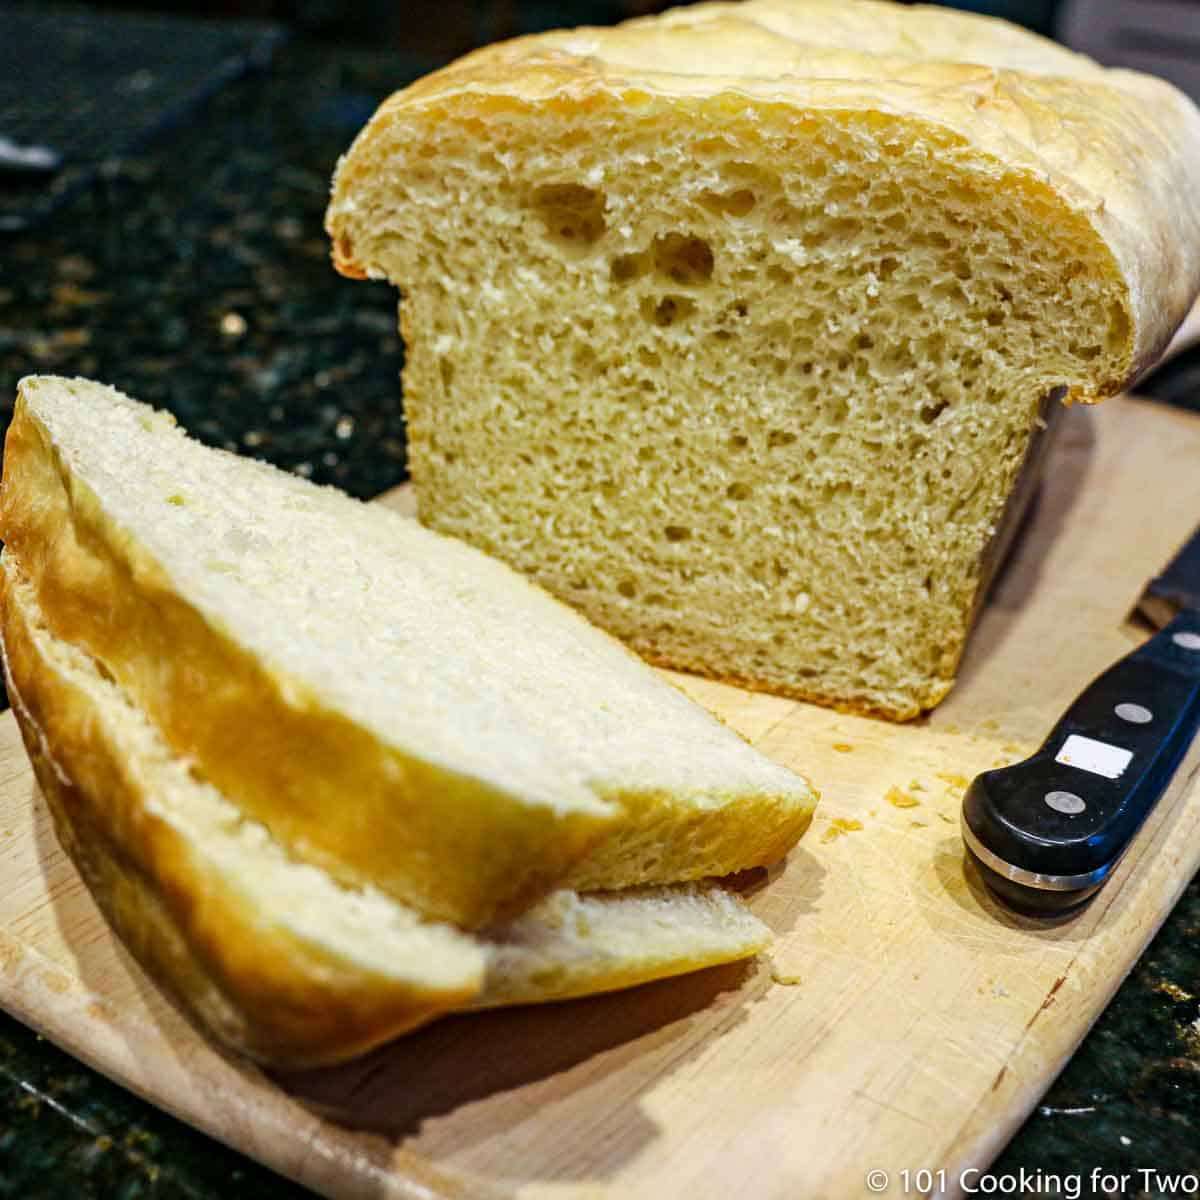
[(903, 1019)]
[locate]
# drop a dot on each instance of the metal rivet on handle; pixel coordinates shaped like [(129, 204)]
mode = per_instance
[(1135, 714), (1189, 641), (1066, 802)]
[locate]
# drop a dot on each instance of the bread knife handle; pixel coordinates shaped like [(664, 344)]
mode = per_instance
[(1048, 831)]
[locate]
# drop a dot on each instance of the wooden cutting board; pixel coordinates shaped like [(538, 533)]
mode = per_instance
[(903, 1020)]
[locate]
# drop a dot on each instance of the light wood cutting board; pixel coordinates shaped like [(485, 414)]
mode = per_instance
[(903, 1020)]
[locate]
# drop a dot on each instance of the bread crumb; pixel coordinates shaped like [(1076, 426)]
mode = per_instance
[(843, 747), (949, 820), (786, 978), (989, 724), (1012, 748), (954, 780), (918, 824), (839, 826), (899, 799), (915, 785), (233, 324)]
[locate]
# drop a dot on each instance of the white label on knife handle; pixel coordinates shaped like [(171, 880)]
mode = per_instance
[(1097, 757)]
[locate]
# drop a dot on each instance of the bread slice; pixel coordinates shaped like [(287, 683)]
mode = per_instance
[(272, 956), (393, 706), (733, 326)]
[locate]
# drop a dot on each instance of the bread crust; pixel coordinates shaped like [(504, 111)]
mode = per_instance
[(273, 997), (1116, 152)]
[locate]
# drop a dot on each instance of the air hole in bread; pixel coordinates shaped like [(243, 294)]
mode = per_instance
[(572, 214), (627, 267), (683, 259), (667, 310), (739, 203)]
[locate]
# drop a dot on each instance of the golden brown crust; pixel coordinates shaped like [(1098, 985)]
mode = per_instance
[(273, 997), (1117, 152)]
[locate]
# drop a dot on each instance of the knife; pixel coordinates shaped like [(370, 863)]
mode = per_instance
[(1047, 832)]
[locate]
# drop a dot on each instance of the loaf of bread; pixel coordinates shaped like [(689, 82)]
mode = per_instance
[(733, 327), (329, 774)]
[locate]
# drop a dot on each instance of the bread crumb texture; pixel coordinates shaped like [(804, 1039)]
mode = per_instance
[(731, 326)]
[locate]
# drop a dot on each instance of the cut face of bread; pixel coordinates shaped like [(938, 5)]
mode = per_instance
[(733, 327), (271, 955), (393, 706), (574, 945)]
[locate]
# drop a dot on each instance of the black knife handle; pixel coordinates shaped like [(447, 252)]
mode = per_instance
[(1176, 588), (1049, 830)]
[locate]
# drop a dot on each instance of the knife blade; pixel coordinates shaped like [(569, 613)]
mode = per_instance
[(1047, 832)]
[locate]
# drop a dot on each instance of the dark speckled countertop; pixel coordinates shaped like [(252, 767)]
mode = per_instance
[(195, 275)]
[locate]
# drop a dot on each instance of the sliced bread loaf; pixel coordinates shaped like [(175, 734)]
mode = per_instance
[(393, 706), (271, 955), (734, 326)]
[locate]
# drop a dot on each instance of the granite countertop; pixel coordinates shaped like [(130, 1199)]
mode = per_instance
[(195, 275)]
